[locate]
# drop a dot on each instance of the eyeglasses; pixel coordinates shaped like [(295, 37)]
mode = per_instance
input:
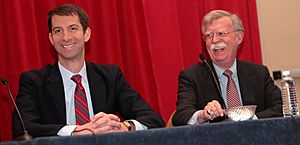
[(209, 36)]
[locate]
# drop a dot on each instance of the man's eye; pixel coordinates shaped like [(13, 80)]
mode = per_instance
[(209, 35), (55, 31), (74, 28), (222, 33)]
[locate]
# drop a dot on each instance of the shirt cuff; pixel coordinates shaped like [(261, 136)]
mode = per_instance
[(254, 117), (194, 119), (138, 125), (66, 130)]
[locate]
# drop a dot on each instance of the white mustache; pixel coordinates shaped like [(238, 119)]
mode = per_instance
[(217, 46)]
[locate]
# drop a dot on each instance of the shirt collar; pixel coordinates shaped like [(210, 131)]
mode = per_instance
[(66, 74), (220, 71)]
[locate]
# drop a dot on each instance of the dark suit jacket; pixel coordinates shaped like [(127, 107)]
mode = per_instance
[(196, 88), (41, 99)]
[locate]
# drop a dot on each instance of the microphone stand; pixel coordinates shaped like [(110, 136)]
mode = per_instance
[(202, 57), (25, 135)]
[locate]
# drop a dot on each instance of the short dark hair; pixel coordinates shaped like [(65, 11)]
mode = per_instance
[(69, 10)]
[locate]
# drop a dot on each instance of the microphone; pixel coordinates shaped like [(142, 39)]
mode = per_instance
[(26, 135), (202, 57)]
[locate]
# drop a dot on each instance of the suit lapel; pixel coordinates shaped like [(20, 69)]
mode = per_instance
[(246, 87), (56, 89), (209, 78), (97, 88)]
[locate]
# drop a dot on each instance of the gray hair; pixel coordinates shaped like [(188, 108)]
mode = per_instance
[(216, 14)]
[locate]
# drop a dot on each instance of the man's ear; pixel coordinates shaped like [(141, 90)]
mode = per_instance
[(240, 37), (51, 38), (87, 34)]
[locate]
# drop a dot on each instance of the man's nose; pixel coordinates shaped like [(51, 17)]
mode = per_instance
[(66, 36), (215, 38)]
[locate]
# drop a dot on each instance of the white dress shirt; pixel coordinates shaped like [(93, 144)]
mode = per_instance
[(69, 89), (223, 84)]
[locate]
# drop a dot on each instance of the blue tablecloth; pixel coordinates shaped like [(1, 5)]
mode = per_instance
[(275, 131)]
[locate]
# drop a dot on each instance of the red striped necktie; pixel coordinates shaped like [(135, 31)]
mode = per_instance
[(233, 99), (81, 106)]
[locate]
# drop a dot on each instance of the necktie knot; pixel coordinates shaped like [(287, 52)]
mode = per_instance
[(228, 73), (76, 78)]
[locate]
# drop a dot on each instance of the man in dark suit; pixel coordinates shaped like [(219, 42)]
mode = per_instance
[(240, 83), (74, 97)]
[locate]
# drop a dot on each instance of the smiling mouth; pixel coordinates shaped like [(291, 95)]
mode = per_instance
[(219, 49), (67, 46)]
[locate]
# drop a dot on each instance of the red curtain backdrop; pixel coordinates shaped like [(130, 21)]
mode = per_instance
[(151, 40)]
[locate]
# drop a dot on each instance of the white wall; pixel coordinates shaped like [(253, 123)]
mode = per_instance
[(279, 22)]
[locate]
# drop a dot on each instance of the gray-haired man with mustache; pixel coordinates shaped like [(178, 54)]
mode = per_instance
[(199, 100)]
